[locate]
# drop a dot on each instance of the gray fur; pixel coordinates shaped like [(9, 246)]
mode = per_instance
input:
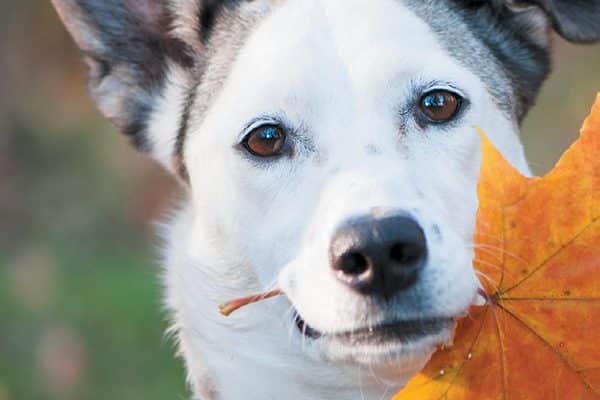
[(232, 26), (487, 47), (127, 46), (507, 42), (576, 20)]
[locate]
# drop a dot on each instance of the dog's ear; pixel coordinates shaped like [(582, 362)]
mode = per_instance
[(577, 21), (130, 50)]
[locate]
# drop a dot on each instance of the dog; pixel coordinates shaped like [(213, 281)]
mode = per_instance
[(327, 148)]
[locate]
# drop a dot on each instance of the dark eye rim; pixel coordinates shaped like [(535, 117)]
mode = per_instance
[(245, 141), (460, 100)]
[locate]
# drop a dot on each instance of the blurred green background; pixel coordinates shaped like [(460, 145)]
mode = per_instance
[(80, 305)]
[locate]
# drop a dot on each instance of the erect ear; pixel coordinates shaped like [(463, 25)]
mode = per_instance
[(575, 20), (132, 54)]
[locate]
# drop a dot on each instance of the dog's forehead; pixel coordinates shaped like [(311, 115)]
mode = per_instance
[(311, 50), (329, 42)]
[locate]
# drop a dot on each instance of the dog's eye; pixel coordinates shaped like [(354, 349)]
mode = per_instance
[(265, 141), (440, 106)]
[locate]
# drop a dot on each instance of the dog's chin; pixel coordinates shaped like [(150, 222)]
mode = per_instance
[(392, 350)]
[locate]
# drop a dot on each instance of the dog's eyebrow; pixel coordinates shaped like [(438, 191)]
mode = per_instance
[(511, 66), (222, 44), (264, 119)]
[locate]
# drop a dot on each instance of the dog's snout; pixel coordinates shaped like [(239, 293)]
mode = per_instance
[(379, 256)]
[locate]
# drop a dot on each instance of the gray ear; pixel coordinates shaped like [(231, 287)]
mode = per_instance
[(129, 49), (575, 20)]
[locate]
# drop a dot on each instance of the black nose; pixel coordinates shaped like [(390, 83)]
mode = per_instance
[(379, 256)]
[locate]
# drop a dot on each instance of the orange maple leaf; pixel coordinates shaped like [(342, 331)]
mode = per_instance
[(538, 249)]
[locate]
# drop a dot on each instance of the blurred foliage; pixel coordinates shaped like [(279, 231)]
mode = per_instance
[(80, 308), (565, 100)]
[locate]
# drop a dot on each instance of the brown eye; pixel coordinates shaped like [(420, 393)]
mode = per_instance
[(440, 105), (265, 141)]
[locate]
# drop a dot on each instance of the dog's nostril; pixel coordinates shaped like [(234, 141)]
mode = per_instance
[(380, 256), (405, 254), (354, 264)]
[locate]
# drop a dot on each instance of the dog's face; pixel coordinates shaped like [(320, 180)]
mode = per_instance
[(344, 167), (330, 146)]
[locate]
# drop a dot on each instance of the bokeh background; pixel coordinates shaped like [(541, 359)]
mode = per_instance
[(80, 306)]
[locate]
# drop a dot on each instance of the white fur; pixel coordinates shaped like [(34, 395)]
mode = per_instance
[(340, 69), (164, 122)]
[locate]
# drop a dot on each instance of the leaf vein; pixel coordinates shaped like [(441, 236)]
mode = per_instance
[(554, 255), (549, 345), (445, 394)]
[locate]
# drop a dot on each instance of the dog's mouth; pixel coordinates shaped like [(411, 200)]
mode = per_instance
[(406, 331), (396, 332)]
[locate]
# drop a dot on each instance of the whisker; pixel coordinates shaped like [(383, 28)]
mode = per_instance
[(273, 285), (499, 268), (385, 393), (501, 250), (498, 238), (488, 264), (360, 382), (469, 315), (291, 328), (488, 250), (374, 376), (493, 283)]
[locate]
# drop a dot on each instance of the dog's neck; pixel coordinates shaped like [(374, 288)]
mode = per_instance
[(255, 353)]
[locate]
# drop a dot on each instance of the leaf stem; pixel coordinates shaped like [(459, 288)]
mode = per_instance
[(226, 309)]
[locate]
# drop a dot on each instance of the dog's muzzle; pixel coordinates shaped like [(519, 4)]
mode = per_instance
[(379, 257)]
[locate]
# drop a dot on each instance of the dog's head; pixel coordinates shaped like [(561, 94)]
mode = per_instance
[(330, 145)]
